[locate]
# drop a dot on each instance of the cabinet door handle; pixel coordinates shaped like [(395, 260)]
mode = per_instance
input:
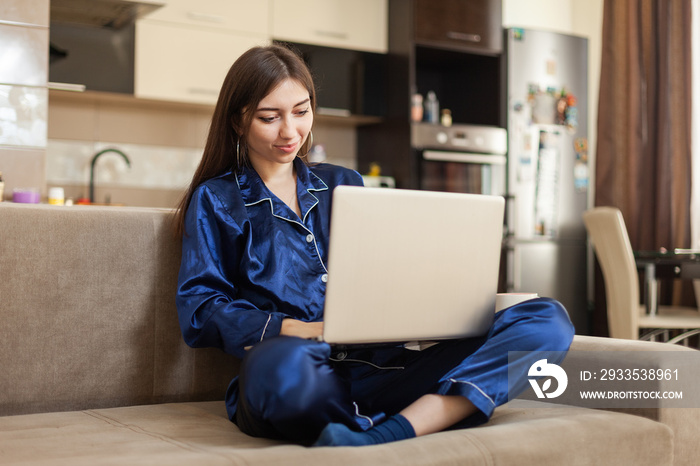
[(205, 17), (332, 34), (66, 87), (464, 36)]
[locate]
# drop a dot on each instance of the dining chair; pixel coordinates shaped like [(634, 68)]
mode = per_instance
[(626, 316)]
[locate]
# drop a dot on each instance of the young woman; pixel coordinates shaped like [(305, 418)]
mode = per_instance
[(255, 226)]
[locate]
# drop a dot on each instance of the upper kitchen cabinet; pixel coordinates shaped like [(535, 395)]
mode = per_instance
[(23, 54), (473, 25), (185, 49), (34, 12), (356, 25), (92, 43), (241, 16), (185, 65), (24, 35)]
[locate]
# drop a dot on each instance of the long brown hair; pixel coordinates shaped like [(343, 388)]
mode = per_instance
[(252, 76)]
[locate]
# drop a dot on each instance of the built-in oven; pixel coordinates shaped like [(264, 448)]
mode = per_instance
[(461, 158)]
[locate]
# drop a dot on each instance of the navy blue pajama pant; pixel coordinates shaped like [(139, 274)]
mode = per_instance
[(291, 388)]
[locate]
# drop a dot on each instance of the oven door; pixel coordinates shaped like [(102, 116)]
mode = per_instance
[(463, 172)]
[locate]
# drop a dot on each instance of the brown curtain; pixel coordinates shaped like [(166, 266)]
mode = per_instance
[(643, 151)]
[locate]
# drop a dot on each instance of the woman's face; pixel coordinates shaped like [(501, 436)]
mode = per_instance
[(280, 125)]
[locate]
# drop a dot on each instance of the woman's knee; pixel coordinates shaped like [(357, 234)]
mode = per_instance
[(286, 373), (287, 389), (545, 323)]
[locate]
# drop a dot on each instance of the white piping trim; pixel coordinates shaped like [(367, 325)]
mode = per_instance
[(309, 190), (357, 413), (368, 363), (309, 211), (269, 318), (480, 390), (325, 188), (259, 201)]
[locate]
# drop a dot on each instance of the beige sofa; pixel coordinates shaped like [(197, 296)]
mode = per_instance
[(94, 370)]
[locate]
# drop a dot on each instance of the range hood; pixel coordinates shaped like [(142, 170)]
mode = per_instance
[(113, 14)]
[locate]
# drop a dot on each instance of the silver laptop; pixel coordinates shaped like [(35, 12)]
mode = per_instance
[(409, 265)]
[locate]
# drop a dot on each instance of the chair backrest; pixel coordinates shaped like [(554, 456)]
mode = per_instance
[(608, 233)]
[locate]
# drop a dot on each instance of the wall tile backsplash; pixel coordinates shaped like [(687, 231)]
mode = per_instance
[(152, 167), (23, 116)]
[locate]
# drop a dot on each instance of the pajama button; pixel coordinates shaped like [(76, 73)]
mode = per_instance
[(309, 238), (324, 278)]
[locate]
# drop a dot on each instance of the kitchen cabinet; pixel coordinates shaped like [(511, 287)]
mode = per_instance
[(185, 65), (428, 53), (185, 48), (468, 24), (241, 16), (24, 54), (35, 12), (357, 25)]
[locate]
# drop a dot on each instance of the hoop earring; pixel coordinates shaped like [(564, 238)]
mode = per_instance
[(239, 159)]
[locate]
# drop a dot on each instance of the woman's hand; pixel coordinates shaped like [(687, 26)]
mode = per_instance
[(298, 328)]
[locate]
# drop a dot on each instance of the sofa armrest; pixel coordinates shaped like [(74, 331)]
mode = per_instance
[(683, 419), (591, 361), (586, 343)]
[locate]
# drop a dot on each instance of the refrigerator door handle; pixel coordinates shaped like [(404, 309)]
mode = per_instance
[(510, 216)]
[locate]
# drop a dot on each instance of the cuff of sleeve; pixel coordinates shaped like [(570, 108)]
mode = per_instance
[(272, 327)]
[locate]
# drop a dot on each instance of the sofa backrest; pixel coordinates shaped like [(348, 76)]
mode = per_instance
[(87, 312)]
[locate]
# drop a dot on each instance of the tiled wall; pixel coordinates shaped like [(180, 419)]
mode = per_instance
[(163, 141), (155, 176), (24, 39)]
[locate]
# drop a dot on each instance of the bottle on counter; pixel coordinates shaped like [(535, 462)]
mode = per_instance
[(446, 117), (432, 108), (2, 188), (417, 107)]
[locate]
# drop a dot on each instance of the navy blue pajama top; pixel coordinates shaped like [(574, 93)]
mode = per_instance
[(248, 261)]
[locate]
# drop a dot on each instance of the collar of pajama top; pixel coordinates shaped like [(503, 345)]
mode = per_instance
[(254, 192)]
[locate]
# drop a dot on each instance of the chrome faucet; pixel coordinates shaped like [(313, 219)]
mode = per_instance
[(92, 169)]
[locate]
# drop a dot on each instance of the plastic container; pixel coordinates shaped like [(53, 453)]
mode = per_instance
[(26, 196), (432, 108), (56, 196)]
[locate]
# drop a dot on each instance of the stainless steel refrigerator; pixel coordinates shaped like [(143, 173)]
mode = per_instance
[(547, 167)]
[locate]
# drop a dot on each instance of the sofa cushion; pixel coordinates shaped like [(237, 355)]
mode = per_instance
[(521, 432)]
